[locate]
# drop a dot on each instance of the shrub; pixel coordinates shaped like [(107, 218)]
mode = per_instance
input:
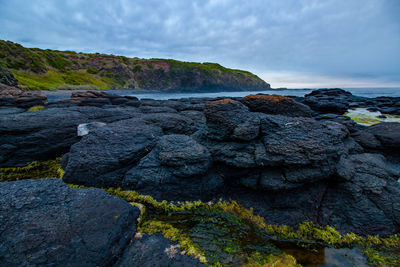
[(137, 68), (92, 70)]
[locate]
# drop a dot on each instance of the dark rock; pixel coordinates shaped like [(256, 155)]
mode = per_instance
[(324, 106), (102, 156), (175, 169), (153, 109), (15, 97), (346, 121), (10, 110), (7, 78), (363, 198), (155, 250), (301, 141), (45, 222), (384, 136), (228, 119), (368, 201), (329, 92), (171, 123), (49, 133), (276, 104), (100, 99)]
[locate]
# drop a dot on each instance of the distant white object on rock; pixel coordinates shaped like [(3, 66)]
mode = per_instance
[(85, 128)]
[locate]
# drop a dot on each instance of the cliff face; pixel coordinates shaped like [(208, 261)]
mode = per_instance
[(38, 69)]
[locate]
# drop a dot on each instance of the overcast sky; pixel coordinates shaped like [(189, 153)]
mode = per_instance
[(288, 43)]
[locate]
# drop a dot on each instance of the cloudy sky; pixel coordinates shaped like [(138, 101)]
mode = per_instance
[(288, 43)]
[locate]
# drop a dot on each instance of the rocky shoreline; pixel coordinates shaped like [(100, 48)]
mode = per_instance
[(289, 159)]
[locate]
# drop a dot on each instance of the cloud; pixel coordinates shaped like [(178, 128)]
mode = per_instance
[(338, 39)]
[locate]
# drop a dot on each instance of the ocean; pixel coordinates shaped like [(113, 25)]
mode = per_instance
[(365, 92)]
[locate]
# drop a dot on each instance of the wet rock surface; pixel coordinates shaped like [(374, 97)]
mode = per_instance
[(45, 222), (269, 155)]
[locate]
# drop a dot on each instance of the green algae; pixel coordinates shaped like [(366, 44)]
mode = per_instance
[(33, 170), (212, 232), (225, 233), (36, 108), (367, 118)]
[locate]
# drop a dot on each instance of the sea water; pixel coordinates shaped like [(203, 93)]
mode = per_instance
[(365, 92)]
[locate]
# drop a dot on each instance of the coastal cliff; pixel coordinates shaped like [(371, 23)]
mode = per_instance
[(38, 69)]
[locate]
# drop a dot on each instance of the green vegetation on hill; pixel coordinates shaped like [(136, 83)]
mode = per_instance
[(38, 69)]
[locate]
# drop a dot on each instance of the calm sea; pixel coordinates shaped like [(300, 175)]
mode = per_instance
[(366, 92)]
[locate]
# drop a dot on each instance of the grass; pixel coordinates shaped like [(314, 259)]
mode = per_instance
[(57, 80)]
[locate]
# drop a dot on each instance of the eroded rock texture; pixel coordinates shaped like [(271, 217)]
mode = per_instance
[(266, 152), (45, 222)]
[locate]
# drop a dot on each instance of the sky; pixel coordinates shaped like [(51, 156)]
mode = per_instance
[(288, 43)]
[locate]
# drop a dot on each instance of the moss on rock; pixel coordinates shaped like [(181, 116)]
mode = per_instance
[(34, 170)]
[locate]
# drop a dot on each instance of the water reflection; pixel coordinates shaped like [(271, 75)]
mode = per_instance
[(318, 256)]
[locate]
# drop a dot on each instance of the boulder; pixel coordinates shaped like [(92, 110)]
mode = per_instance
[(384, 137), (46, 222), (276, 104), (177, 168), (229, 119), (368, 201), (15, 97), (102, 157), (155, 250), (300, 141)]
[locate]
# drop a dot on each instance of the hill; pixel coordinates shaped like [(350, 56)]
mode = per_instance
[(38, 69)]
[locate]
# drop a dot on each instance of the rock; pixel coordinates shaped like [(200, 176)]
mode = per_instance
[(171, 123), (178, 152), (368, 201), (100, 99), (175, 169), (7, 78), (15, 97), (101, 157), (155, 250), (228, 119), (337, 101), (152, 109), (327, 106), (301, 141), (388, 133), (351, 125), (335, 92), (185, 155), (45, 222), (49, 133), (383, 137), (10, 110), (276, 104), (85, 128)]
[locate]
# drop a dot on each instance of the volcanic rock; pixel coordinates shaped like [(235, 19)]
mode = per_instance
[(45, 222)]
